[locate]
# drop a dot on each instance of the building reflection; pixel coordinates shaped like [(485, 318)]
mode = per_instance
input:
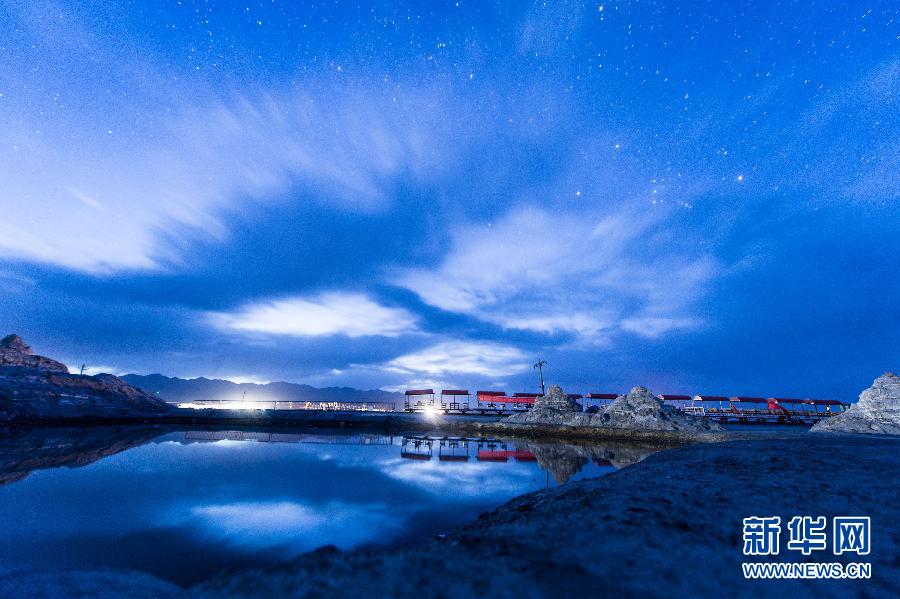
[(563, 461)]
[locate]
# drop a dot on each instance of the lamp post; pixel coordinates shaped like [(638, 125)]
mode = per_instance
[(540, 366)]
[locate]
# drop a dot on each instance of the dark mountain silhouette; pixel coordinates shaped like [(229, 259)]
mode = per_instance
[(173, 389)]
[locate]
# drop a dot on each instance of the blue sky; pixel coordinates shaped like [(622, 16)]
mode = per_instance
[(694, 196)]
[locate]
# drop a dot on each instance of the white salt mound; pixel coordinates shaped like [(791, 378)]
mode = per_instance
[(876, 412), (639, 410)]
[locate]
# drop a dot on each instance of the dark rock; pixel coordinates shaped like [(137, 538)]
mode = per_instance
[(35, 387), (15, 352)]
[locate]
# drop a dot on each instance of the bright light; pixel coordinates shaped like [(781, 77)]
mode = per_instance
[(431, 412)]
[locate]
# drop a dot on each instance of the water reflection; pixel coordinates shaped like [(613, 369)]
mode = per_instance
[(183, 505), (25, 450), (562, 460)]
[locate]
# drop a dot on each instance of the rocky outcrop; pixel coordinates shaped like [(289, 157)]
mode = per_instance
[(638, 410), (876, 412), (555, 408), (641, 409), (15, 352), (34, 387)]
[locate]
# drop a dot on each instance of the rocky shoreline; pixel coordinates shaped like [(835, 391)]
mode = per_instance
[(539, 431), (35, 388)]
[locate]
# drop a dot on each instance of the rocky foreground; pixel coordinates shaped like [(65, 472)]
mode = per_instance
[(876, 412), (637, 415), (34, 388)]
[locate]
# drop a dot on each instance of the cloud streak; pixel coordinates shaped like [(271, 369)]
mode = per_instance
[(349, 314), (576, 273), (462, 357), (128, 199)]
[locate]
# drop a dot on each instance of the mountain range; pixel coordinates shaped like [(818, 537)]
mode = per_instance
[(176, 390)]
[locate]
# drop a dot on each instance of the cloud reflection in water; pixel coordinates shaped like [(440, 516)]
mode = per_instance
[(294, 525)]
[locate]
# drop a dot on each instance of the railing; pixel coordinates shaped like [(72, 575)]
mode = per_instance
[(725, 409), (335, 406)]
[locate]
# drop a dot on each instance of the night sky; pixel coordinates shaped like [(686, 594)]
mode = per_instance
[(701, 197)]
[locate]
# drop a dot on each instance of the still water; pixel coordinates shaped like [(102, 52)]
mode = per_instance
[(183, 505)]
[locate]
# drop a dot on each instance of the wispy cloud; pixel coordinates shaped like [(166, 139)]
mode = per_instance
[(350, 314), (578, 273), (579, 322), (652, 326), (462, 357), (133, 195)]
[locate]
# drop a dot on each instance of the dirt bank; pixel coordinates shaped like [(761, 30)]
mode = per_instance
[(468, 424), (595, 433)]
